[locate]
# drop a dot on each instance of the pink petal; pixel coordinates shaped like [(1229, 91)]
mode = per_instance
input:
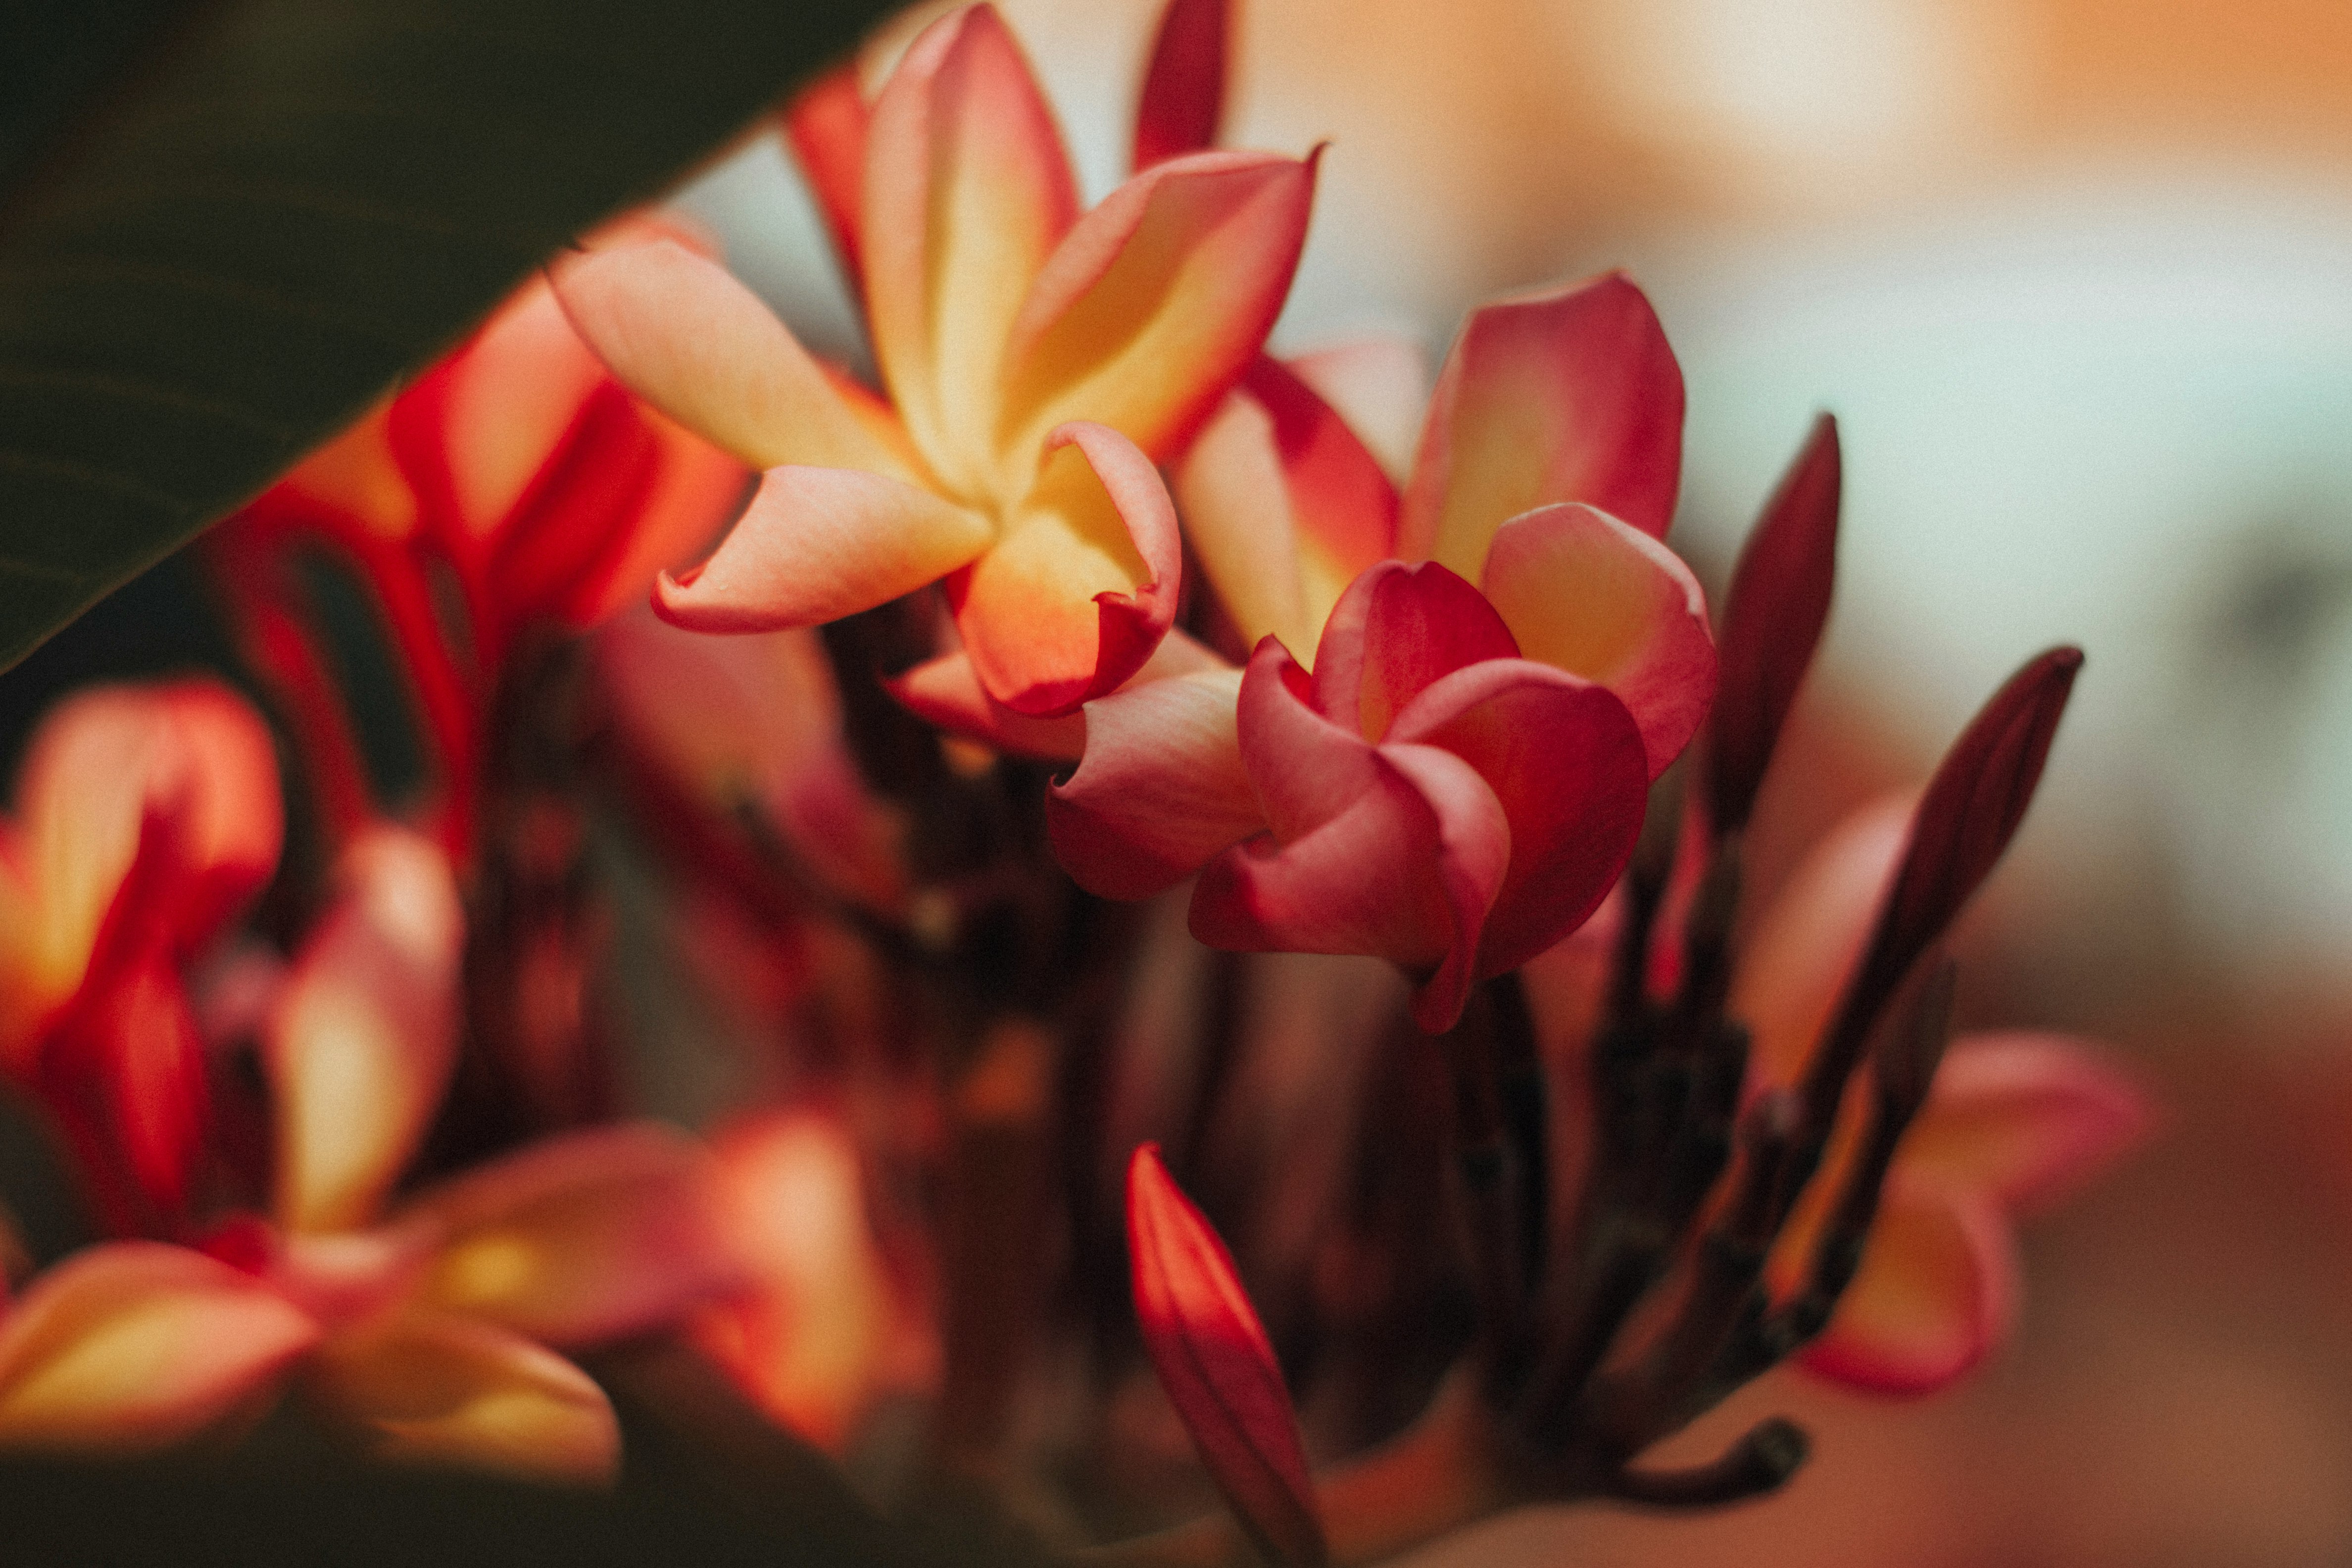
[(2026, 1118), (1395, 630), (1217, 1366), (364, 1034), (1160, 791), (582, 1238), (1157, 301), (1184, 85), (1805, 942), (1565, 760), (1099, 525), (1779, 600), (1936, 1293), (947, 692), (678, 330), (967, 192), (1583, 592), (1571, 394), (135, 1345), (1283, 505), (423, 1388), (816, 545), (826, 123)]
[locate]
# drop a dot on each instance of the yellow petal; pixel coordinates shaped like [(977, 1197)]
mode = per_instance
[(360, 1046), (135, 1346), (425, 1388)]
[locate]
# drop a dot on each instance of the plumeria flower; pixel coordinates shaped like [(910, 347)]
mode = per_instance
[(2015, 1120), (1566, 395), (1038, 361), (146, 817), (516, 468)]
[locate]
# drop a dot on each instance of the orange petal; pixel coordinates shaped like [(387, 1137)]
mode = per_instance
[(424, 1388), (1157, 301), (349, 483), (1806, 941), (1161, 788), (678, 330), (1585, 593), (967, 192), (2025, 1117), (1077, 594), (580, 1239), (816, 545), (1284, 506), (362, 1038), (1936, 1292), (135, 1346), (1567, 395)]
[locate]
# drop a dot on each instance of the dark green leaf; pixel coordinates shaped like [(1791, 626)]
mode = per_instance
[(225, 226)]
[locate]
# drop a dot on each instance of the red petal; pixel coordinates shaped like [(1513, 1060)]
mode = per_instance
[(1567, 395), (1772, 620), (1394, 631), (826, 124), (2026, 1117), (1184, 86), (1214, 1360), (1565, 759)]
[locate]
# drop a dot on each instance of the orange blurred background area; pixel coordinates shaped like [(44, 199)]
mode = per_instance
[(2076, 277)]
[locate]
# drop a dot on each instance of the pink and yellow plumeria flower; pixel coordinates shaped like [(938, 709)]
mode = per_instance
[(1038, 361), (2013, 1122), (145, 817)]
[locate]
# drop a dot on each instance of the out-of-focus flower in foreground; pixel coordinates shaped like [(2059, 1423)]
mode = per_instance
[(1038, 361)]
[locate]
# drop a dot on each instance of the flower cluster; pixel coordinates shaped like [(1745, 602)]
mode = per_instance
[(865, 792)]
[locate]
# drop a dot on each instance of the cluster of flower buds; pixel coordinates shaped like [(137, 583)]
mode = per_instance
[(1441, 717)]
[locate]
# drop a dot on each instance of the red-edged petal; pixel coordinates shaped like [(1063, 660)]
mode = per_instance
[(2026, 1118), (1184, 86), (692, 491), (1772, 620), (1565, 760), (135, 1346), (1587, 594), (424, 1388), (1157, 301), (825, 124), (1396, 629), (1076, 595), (1160, 789), (364, 1035), (677, 330), (1216, 1365), (1936, 1293), (1283, 505), (967, 192), (580, 1239), (816, 545), (1567, 395), (125, 1075)]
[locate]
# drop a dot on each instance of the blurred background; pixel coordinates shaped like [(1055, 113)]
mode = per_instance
[(2075, 276)]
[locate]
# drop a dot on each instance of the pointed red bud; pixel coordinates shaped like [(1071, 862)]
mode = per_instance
[(1214, 1360), (1184, 86), (1772, 621), (1971, 809)]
